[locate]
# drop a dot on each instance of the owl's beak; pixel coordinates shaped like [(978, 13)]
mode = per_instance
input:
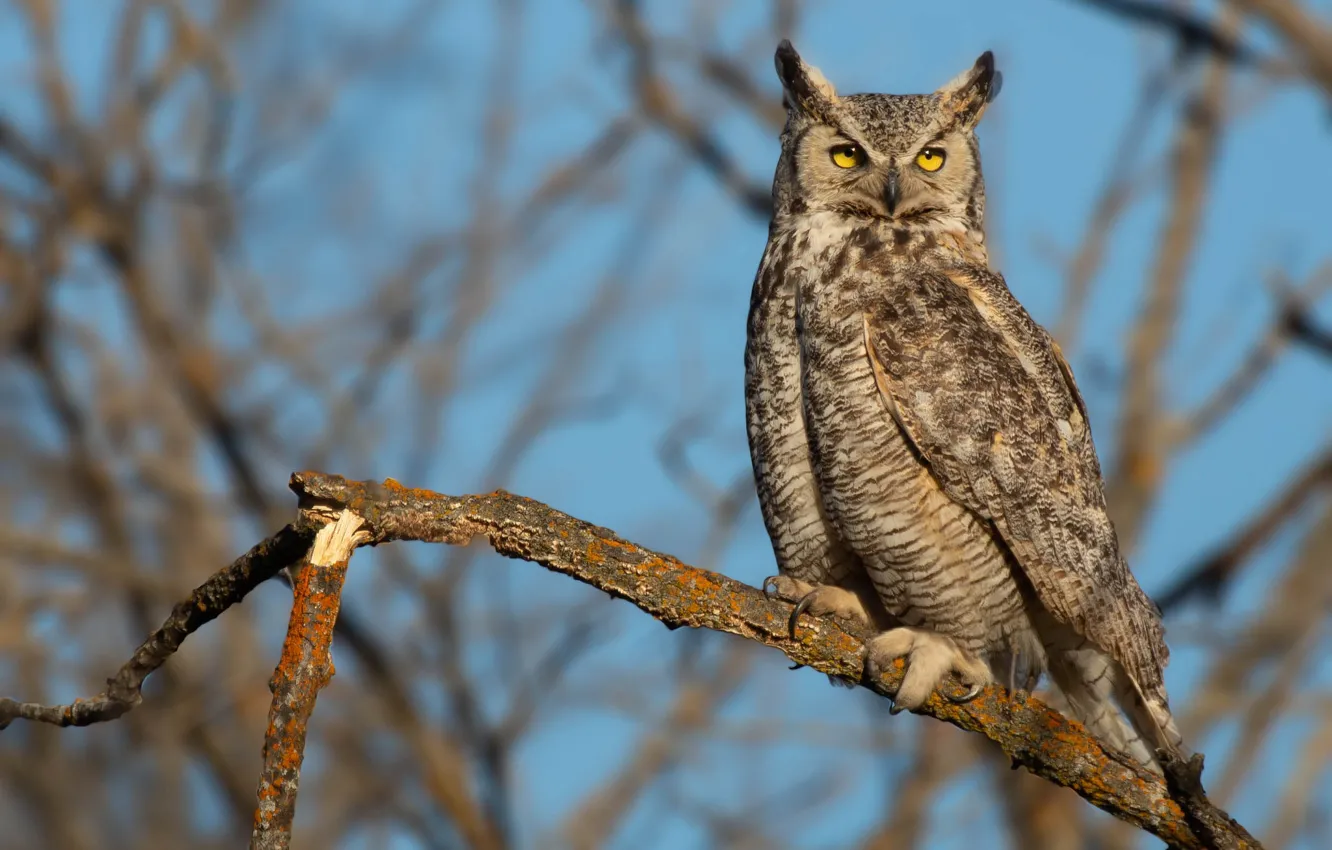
[(892, 192)]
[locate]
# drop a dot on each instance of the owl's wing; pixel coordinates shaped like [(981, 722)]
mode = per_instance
[(986, 399)]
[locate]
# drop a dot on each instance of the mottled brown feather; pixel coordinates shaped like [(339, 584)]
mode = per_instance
[(997, 447)]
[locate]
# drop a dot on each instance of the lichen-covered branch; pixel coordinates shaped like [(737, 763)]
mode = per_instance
[(305, 668), (1033, 735)]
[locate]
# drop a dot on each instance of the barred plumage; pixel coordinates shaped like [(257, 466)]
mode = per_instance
[(922, 455)]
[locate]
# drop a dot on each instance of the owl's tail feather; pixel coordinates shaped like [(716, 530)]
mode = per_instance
[(1150, 715), (1101, 696)]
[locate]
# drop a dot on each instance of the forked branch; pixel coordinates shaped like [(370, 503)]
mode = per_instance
[(1033, 735)]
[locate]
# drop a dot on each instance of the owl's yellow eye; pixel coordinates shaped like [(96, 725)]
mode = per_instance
[(847, 156), (930, 159)]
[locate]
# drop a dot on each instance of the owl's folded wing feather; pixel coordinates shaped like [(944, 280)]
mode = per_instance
[(983, 394)]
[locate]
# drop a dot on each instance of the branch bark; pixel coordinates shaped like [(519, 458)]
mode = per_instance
[(1030, 733), (304, 670)]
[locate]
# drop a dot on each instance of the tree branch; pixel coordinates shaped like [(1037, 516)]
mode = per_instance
[(1301, 327), (1307, 36), (222, 590), (1031, 734), (304, 670), (1193, 31), (1212, 575), (659, 103)]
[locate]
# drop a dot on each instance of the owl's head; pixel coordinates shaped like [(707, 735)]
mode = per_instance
[(910, 158)]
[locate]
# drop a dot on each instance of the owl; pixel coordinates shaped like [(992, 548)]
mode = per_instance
[(923, 457)]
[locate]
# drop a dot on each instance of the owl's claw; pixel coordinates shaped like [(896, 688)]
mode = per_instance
[(800, 607), (930, 657), (957, 699), (814, 599), (785, 588)]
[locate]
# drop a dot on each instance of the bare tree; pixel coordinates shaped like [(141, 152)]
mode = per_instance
[(245, 237)]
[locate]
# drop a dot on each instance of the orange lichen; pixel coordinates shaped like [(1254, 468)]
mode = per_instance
[(304, 667), (700, 581), (628, 548), (658, 564), (410, 492)]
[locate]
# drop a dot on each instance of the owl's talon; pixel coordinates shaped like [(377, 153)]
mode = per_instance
[(816, 600), (801, 607), (929, 658)]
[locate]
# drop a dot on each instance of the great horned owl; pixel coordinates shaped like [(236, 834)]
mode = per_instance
[(923, 456)]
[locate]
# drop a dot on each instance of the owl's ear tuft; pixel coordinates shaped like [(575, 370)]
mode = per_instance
[(967, 94), (804, 87)]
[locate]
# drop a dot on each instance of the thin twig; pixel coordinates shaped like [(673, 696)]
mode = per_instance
[(1293, 323), (1122, 188), (660, 103), (1294, 810), (1193, 31), (1301, 327), (1210, 576), (1265, 708), (222, 590)]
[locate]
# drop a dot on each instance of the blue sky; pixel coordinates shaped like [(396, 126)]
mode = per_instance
[(1071, 79)]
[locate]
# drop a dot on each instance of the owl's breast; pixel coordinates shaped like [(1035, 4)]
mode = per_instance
[(934, 562), (805, 544)]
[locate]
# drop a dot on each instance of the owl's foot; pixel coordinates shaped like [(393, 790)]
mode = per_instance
[(816, 599), (930, 657)]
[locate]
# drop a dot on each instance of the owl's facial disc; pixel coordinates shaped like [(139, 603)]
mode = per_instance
[(937, 175), (909, 158)]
